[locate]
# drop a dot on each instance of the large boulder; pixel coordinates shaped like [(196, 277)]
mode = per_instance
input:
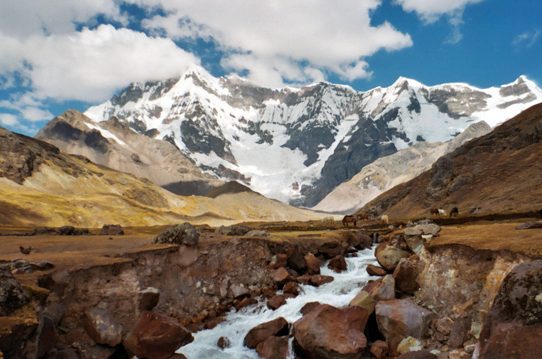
[(156, 336), (337, 264), (235, 230), (374, 291), (12, 295), (273, 348), (406, 274), (296, 261), (361, 240), (376, 270), (111, 230), (276, 301), (258, 334), (389, 256), (101, 327), (329, 332), (331, 249), (513, 327), (401, 318), (280, 276), (313, 263), (185, 234)]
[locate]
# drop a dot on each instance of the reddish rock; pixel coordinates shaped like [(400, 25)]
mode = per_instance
[(513, 327), (382, 289), (47, 336), (101, 327), (291, 288), (361, 240), (308, 307), (273, 348), (245, 302), (379, 349), (304, 279), (275, 327), (156, 336), (329, 332), (296, 261), (406, 275), (276, 302), (337, 264), (313, 264), (148, 298), (389, 256), (223, 343), (280, 275), (317, 280), (376, 270), (279, 260), (401, 318), (331, 249)]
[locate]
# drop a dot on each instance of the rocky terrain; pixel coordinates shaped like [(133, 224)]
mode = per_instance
[(433, 292), (115, 145), (495, 173), (298, 144), (40, 185), (389, 171)]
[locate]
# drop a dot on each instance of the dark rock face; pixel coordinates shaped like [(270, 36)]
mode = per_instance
[(400, 318), (329, 332), (337, 264), (184, 233), (368, 142), (112, 230), (156, 336), (198, 139), (406, 275), (275, 327), (12, 295), (513, 327)]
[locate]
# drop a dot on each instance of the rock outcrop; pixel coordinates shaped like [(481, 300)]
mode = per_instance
[(329, 332)]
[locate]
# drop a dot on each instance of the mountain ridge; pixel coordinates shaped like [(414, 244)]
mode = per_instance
[(298, 144), (495, 173)]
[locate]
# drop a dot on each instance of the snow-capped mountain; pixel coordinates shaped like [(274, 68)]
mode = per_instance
[(389, 171), (298, 144)]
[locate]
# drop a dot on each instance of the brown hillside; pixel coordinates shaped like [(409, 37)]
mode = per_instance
[(500, 172)]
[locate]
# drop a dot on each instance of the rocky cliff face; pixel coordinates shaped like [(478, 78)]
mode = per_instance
[(115, 145), (389, 171), (495, 173), (298, 144)]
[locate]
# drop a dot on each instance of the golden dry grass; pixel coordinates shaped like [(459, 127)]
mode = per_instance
[(492, 236)]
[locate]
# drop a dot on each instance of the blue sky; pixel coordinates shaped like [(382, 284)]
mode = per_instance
[(80, 53)]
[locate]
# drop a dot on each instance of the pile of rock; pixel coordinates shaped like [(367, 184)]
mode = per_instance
[(181, 234), (112, 230)]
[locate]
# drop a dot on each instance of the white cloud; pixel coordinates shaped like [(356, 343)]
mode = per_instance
[(431, 11), (527, 39), (283, 39), (21, 18), (7, 119), (90, 65)]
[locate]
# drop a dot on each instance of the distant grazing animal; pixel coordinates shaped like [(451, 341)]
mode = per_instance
[(362, 216), (441, 212), (454, 212), (349, 219), (25, 250), (434, 211), (384, 218)]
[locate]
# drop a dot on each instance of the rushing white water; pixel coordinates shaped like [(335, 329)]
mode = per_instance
[(237, 324)]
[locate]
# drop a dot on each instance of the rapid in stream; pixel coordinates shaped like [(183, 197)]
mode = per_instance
[(237, 324)]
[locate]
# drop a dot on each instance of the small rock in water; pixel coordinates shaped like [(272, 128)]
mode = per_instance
[(337, 264), (223, 343), (376, 270), (276, 302)]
